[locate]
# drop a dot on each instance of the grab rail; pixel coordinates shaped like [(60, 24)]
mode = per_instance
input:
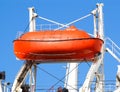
[(112, 48)]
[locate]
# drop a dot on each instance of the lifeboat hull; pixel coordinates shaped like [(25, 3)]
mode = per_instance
[(70, 44), (84, 49)]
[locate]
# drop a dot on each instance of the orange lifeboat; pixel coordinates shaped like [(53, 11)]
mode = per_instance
[(70, 44)]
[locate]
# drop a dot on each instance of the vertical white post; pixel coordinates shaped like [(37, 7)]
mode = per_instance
[(100, 73), (72, 77), (100, 21), (67, 72), (33, 78), (32, 16), (32, 28), (1, 86), (96, 69), (5, 86), (94, 12), (30, 79)]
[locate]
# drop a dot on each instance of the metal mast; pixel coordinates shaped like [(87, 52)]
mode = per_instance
[(32, 16), (96, 69), (100, 73), (29, 67)]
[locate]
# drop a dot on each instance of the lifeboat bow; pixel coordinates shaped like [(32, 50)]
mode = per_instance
[(70, 44)]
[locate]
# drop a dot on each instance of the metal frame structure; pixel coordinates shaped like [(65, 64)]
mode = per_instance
[(95, 67), (96, 70)]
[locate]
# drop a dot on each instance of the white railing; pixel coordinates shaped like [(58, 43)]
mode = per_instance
[(109, 86), (112, 48), (49, 27), (5, 88)]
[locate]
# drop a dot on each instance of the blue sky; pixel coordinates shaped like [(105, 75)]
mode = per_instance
[(14, 17)]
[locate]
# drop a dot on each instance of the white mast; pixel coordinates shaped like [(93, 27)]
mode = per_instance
[(100, 21), (96, 69), (32, 16), (28, 67), (32, 28), (100, 73)]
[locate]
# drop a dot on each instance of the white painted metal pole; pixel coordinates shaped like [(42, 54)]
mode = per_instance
[(100, 75), (66, 77), (1, 86), (35, 74), (5, 86), (32, 16), (100, 21), (33, 78), (98, 66), (90, 76), (94, 12), (72, 79), (30, 80)]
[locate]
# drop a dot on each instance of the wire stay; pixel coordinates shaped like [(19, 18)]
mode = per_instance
[(64, 25), (52, 21)]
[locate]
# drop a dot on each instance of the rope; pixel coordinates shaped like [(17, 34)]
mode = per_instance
[(27, 26), (74, 21), (64, 25), (60, 80)]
